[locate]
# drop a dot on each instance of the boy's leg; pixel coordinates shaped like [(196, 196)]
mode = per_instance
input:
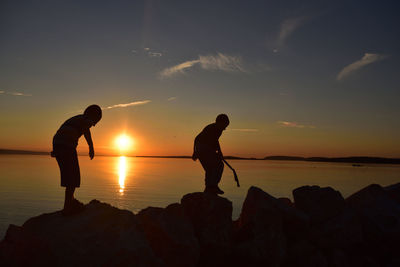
[(69, 197), (213, 168), (218, 175), (218, 172), (208, 169)]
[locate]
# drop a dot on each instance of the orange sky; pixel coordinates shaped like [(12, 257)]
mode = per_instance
[(155, 132)]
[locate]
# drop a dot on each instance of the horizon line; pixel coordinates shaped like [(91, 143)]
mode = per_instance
[(348, 159)]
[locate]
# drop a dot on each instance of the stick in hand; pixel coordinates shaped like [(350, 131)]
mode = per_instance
[(234, 172)]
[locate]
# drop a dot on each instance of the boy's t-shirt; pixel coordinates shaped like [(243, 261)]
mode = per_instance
[(71, 130), (209, 136)]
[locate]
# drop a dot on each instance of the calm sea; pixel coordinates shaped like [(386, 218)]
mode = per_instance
[(30, 185)]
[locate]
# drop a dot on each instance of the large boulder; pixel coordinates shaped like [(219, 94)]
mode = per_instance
[(380, 212), (295, 221), (260, 237), (303, 253), (394, 191), (319, 203), (380, 215), (342, 232), (101, 235), (170, 234), (211, 217), (21, 248)]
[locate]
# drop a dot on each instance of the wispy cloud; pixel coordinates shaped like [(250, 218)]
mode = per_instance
[(14, 93), (244, 130), (125, 105), (367, 59), (20, 94), (221, 62), (294, 124), (288, 27), (172, 98), (147, 51), (218, 62), (180, 68), (155, 54)]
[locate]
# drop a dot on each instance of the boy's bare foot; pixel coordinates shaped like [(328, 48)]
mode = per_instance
[(210, 190), (213, 190), (75, 207), (219, 191), (77, 203)]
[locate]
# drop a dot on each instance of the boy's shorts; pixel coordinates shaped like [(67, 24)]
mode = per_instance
[(67, 160)]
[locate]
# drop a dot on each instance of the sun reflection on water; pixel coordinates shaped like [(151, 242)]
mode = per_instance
[(122, 169)]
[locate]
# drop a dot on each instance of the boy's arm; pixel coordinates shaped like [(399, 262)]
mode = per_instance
[(89, 141), (219, 150), (194, 156)]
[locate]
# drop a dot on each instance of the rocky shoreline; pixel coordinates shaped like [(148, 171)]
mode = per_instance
[(320, 228)]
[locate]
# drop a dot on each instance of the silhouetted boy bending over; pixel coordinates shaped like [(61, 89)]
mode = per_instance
[(65, 142), (207, 149)]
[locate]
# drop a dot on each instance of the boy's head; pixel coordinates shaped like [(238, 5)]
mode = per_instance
[(94, 113), (222, 121)]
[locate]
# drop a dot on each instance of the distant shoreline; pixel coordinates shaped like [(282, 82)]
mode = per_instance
[(354, 160)]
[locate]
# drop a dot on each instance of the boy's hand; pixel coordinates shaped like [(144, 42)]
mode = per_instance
[(194, 157), (91, 153)]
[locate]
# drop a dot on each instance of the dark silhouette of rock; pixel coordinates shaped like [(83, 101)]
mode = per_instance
[(319, 203), (341, 231), (303, 253), (100, 235), (294, 220), (380, 215), (321, 229), (211, 217), (286, 201), (171, 235), (264, 227), (260, 238), (394, 191), (21, 248)]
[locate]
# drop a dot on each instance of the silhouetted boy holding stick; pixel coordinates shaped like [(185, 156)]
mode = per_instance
[(65, 142), (208, 151)]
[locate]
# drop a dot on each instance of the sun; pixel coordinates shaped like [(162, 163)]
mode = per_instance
[(123, 142)]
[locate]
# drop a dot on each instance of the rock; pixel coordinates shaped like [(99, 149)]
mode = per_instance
[(319, 203), (321, 229), (170, 234), (337, 258), (211, 217), (380, 215), (394, 191), (303, 253), (100, 235), (343, 231), (286, 201), (260, 238), (294, 220), (380, 212), (21, 248)]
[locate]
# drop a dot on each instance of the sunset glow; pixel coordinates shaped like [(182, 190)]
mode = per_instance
[(122, 173), (124, 143)]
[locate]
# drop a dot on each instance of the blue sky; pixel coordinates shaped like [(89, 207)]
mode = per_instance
[(296, 77)]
